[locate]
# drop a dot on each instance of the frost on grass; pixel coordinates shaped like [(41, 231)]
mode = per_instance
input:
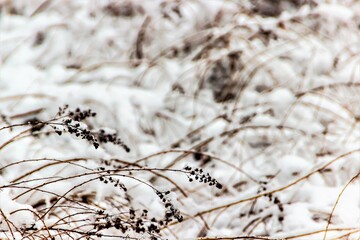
[(179, 119)]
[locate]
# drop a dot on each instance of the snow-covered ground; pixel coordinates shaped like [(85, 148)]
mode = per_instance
[(262, 95)]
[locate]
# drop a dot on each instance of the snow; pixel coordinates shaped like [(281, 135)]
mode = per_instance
[(268, 100)]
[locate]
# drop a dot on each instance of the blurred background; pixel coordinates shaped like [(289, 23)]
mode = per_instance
[(263, 95)]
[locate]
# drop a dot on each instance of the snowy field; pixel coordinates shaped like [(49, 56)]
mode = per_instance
[(189, 119)]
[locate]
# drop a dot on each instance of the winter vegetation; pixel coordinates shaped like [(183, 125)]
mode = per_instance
[(180, 119)]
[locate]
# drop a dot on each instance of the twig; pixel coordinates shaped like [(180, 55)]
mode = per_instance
[(336, 203)]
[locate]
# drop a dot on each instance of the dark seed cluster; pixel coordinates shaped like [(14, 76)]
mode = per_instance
[(110, 180), (198, 156), (36, 124), (270, 196), (131, 221), (104, 137), (75, 128), (171, 212), (72, 123), (62, 110), (199, 175), (272, 199), (79, 115), (279, 204)]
